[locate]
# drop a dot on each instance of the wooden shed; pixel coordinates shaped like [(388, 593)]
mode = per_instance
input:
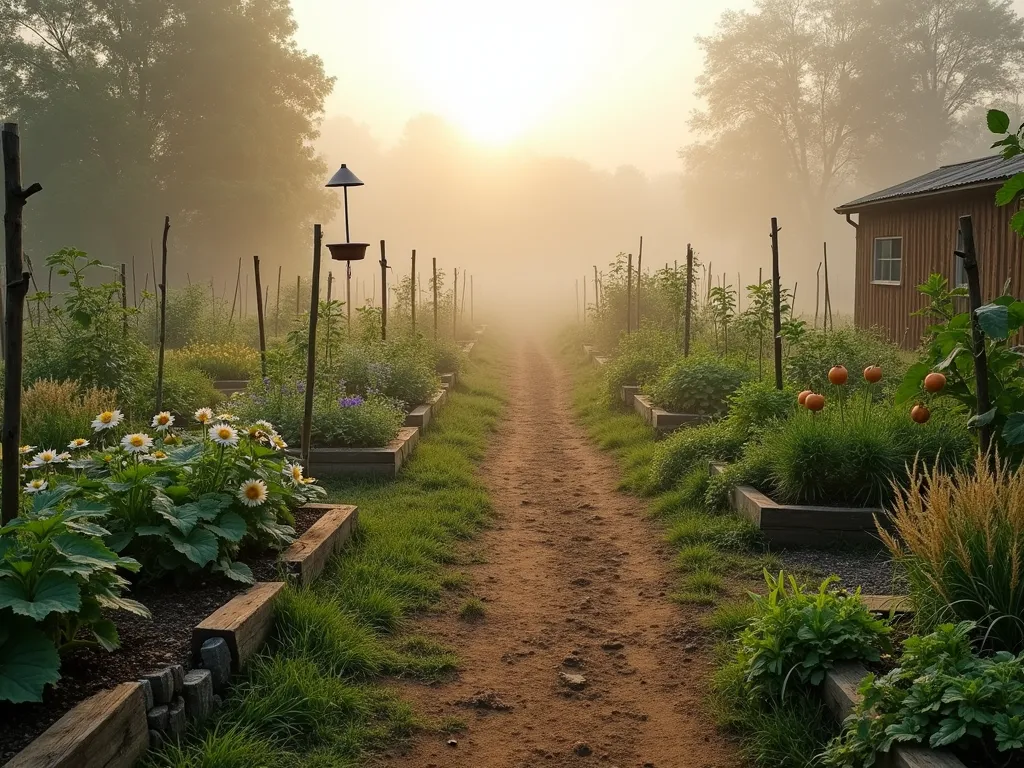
[(909, 231)]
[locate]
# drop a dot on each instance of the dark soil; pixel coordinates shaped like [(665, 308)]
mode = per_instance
[(146, 645)]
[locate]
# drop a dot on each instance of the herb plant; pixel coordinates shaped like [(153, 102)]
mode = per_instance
[(698, 385)]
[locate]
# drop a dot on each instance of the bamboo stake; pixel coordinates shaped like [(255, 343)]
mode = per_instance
[(435, 298), (234, 296), (383, 293), (689, 300), (970, 258), (277, 304), (412, 291), (776, 303), (163, 317), (639, 276), (629, 295), (259, 315), (124, 301), (307, 415)]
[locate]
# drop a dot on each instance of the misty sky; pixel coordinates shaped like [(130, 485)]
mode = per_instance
[(605, 81)]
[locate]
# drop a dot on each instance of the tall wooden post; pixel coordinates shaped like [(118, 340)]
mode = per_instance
[(163, 316), (277, 304), (689, 300), (472, 317), (629, 295), (14, 317), (639, 277), (455, 307), (435, 298), (827, 317), (259, 316), (383, 293), (124, 301), (314, 293), (298, 293), (776, 303), (412, 291), (817, 295), (970, 257), (330, 284)]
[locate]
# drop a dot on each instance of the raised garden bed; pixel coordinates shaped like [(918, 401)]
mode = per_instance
[(449, 380), (374, 462), (422, 415), (663, 421), (800, 525), (841, 695), (600, 361), (107, 723), (628, 393), (228, 387), (467, 347)]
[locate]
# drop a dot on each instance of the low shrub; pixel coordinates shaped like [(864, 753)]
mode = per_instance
[(808, 363), (447, 356), (960, 539), (698, 385), (756, 404), (403, 370), (221, 362), (55, 412), (686, 450), (185, 390), (942, 694), (639, 359)]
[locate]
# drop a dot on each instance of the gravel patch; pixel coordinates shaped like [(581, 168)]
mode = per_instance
[(873, 571)]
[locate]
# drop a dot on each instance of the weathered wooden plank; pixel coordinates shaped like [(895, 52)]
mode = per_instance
[(627, 393), (244, 622), (307, 557), (888, 604), (230, 386), (419, 416), (107, 730), (386, 461), (919, 757), (449, 380), (600, 361), (841, 689)]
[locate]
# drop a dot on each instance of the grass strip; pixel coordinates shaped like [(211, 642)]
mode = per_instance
[(313, 698)]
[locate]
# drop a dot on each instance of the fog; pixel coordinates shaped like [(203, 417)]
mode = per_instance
[(558, 154)]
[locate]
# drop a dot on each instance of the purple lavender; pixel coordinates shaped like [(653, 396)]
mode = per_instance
[(350, 402), (300, 386)]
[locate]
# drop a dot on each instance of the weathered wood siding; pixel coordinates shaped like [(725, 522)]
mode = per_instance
[(928, 227)]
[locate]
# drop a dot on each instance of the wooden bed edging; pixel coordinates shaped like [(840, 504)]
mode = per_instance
[(243, 622), (841, 693), (378, 462), (802, 525), (229, 387), (628, 394), (600, 360), (422, 415), (449, 380), (307, 557), (663, 421)]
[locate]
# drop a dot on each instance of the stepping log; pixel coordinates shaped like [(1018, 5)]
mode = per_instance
[(244, 622), (307, 557), (108, 730)]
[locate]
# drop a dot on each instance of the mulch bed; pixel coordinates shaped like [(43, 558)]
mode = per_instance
[(146, 645)]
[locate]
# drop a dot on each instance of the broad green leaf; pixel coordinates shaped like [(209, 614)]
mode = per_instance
[(1010, 189), (951, 729), (54, 592), (116, 602), (79, 549), (152, 530), (178, 493), (1017, 223), (998, 121), (235, 570), (51, 498), (105, 632), (28, 663), (230, 526), (88, 528), (118, 541), (183, 455), (83, 508), (183, 518), (950, 358), (982, 419), (910, 387), (994, 320), (1013, 430), (200, 546)]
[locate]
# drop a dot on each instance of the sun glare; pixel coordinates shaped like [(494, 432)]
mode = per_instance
[(495, 73)]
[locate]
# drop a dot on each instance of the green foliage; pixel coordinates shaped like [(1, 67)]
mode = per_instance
[(808, 363), (55, 412), (220, 361), (638, 360), (1010, 143), (942, 694), (698, 385), (185, 390), (797, 636), (687, 450), (56, 578), (757, 404)]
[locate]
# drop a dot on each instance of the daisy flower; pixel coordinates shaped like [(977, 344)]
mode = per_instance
[(25, 449), (204, 415), (278, 442), (78, 442), (107, 420), (137, 443), (252, 493), (224, 434), (294, 472), (35, 486), (225, 417), (49, 456), (64, 456), (163, 421), (265, 426), (155, 456)]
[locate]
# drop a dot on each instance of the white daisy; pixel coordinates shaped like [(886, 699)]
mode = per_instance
[(224, 434), (293, 472), (278, 442), (137, 443), (155, 456), (35, 486), (266, 426), (49, 456), (107, 420), (26, 449), (163, 421), (64, 456), (252, 493), (204, 415), (78, 442)]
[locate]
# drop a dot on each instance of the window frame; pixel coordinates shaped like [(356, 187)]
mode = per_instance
[(874, 260)]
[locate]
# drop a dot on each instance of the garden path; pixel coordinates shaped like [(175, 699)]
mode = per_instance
[(575, 583)]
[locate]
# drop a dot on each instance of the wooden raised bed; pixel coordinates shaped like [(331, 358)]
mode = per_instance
[(600, 361), (228, 387), (628, 393), (449, 380), (663, 421), (794, 524), (307, 557), (422, 415), (373, 462), (244, 622), (841, 692)]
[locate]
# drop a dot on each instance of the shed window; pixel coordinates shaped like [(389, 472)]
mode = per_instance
[(888, 260)]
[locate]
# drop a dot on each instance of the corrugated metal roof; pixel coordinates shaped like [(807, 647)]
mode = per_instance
[(971, 173)]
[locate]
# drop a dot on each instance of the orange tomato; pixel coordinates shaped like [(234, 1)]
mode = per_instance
[(920, 413), (838, 375), (935, 382), (872, 374), (814, 402), (802, 397)]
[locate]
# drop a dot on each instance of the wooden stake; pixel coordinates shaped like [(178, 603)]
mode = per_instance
[(412, 291), (135, 285), (330, 284), (277, 304), (383, 293), (827, 319), (314, 293), (455, 307), (970, 257), (124, 301), (689, 300), (17, 288), (435, 299), (597, 295), (163, 317), (639, 277), (462, 309), (629, 295), (776, 303), (259, 315), (234, 296), (817, 295)]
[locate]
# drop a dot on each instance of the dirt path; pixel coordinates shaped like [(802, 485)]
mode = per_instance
[(574, 584)]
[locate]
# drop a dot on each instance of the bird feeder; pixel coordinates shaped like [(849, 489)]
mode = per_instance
[(347, 251)]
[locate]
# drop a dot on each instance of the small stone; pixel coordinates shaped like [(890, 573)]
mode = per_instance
[(176, 720), (178, 674), (216, 657), (452, 743), (611, 645), (162, 684), (147, 694), (157, 718), (156, 739), (574, 682), (198, 693), (582, 749), (580, 582), (572, 660)]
